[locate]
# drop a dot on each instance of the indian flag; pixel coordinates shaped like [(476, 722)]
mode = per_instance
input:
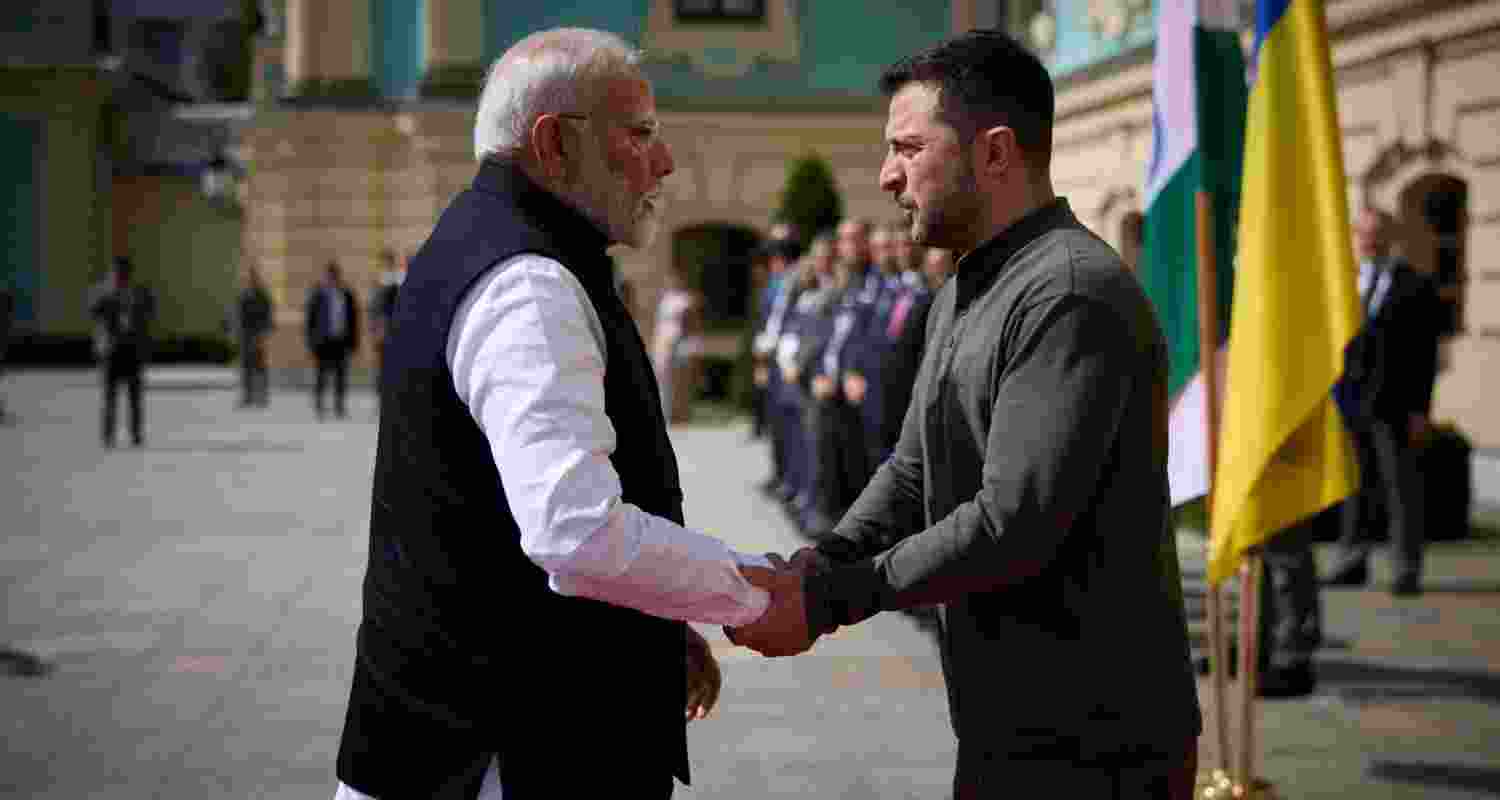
[(1199, 99)]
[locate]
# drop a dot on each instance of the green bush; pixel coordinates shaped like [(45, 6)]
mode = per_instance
[(810, 200)]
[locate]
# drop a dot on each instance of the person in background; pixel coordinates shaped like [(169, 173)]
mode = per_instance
[(675, 342), (807, 332), (867, 377), (383, 311), (253, 318), (1386, 396), (780, 295), (332, 336), (7, 323), (123, 311)]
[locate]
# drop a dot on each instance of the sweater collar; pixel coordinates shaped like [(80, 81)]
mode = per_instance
[(979, 267)]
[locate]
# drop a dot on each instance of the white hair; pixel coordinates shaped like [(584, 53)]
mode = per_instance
[(550, 72)]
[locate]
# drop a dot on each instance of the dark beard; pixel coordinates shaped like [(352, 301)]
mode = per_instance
[(948, 222)]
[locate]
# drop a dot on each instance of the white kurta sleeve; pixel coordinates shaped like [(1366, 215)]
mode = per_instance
[(527, 356)]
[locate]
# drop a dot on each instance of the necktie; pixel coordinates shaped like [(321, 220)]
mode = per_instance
[(898, 317)]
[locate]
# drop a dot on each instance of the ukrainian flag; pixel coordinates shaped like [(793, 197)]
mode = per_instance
[(1284, 454)]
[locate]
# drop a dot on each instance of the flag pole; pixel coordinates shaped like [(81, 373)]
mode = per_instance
[(1250, 582), (1208, 351)]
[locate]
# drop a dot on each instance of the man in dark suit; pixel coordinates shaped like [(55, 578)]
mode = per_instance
[(332, 334), (383, 310), (7, 321), (1386, 397), (253, 316), (123, 312)]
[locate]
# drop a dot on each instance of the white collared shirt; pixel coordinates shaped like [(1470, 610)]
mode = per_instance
[(335, 322), (527, 354), (1381, 278), (526, 350)]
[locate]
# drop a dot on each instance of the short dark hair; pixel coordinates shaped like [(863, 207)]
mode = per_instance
[(985, 78)]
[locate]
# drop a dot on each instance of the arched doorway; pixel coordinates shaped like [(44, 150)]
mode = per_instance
[(1434, 212), (714, 260)]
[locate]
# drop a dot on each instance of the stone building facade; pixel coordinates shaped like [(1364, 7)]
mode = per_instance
[(346, 169)]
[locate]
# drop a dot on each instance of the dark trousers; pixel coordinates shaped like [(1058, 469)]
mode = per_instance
[(333, 364), (842, 458), (1150, 777), (757, 412), (379, 375), (123, 370), (794, 446), (524, 778), (254, 382), (1291, 613), (1389, 500)]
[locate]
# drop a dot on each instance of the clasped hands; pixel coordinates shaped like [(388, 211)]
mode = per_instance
[(782, 630)]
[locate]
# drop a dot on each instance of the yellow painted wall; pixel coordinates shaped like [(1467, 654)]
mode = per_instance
[(184, 247), (74, 218)]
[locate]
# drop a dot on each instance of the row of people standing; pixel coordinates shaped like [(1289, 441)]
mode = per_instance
[(839, 338), (331, 329)]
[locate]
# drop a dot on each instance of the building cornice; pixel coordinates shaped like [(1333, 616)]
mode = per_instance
[(1362, 31), (1128, 82)]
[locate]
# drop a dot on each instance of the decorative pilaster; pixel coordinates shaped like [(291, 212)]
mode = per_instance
[(455, 48)]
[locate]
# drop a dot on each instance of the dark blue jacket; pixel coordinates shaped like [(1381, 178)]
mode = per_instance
[(464, 651)]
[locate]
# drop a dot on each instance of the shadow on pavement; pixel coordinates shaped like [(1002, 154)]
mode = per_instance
[(1452, 776), (17, 663), (249, 446), (1459, 586), (1362, 682)]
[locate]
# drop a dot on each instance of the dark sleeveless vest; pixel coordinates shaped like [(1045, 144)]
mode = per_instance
[(463, 650)]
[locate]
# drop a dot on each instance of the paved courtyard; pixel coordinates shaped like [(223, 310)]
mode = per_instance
[(195, 602)]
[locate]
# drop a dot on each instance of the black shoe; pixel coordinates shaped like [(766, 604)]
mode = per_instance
[(22, 664), (1407, 585), (1354, 573), (1297, 680)]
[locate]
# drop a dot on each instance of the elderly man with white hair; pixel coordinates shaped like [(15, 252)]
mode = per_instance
[(529, 574)]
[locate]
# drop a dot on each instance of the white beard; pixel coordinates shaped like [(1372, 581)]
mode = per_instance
[(602, 196)]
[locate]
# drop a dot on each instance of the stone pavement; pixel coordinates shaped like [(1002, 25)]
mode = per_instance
[(196, 601)]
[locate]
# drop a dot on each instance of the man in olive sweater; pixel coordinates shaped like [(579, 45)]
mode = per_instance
[(1027, 495)]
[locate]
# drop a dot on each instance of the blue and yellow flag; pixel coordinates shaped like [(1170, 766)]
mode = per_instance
[(1284, 454)]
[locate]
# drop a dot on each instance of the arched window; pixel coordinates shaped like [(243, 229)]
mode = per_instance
[(1435, 215)]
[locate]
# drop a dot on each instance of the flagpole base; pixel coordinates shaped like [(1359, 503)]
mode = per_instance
[(1217, 785)]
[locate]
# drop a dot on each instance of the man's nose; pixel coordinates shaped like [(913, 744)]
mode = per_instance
[(665, 165), (890, 175)]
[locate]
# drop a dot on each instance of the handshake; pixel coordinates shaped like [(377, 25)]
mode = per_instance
[(782, 630)]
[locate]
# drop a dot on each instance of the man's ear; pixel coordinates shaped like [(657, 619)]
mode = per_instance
[(547, 145), (996, 151)]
